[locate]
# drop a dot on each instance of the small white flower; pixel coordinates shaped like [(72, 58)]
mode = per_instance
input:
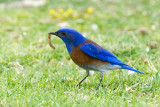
[(94, 26), (129, 89), (61, 63), (147, 49), (130, 72), (24, 33), (63, 24), (47, 80), (153, 27), (129, 101)]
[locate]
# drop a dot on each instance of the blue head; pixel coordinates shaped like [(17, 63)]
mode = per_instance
[(70, 37)]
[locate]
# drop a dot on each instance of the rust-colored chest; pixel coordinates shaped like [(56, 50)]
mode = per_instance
[(81, 58)]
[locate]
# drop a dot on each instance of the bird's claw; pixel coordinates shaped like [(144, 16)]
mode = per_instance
[(98, 87), (78, 85)]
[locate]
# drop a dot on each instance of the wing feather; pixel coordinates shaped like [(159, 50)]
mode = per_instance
[(100, 53)]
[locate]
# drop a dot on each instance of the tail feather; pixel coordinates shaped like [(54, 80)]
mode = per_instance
[(130, 68)]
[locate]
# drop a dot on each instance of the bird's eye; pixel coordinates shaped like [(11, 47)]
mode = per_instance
[(64, 33)]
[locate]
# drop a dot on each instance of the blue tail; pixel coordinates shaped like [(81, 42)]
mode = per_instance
[(130, 68)]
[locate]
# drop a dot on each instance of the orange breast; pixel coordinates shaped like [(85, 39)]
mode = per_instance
[(81, 58)]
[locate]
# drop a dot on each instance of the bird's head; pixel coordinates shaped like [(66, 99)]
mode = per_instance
[(69, 36)]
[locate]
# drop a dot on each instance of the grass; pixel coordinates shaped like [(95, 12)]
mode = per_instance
[(33, 74)]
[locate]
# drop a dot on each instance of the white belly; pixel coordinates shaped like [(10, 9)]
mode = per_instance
[(104, 68)]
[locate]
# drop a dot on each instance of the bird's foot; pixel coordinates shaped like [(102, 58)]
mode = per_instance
[(98, 87), (78, 85)]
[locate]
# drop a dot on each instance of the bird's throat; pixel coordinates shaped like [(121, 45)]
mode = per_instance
[(70, 44)]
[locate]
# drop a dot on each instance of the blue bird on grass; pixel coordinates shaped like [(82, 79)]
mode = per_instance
[(89, 55)]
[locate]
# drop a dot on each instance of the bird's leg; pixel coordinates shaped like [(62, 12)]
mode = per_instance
[(87, 74), (102, 75)]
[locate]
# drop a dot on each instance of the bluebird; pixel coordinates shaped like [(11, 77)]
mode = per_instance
[(89, 55)]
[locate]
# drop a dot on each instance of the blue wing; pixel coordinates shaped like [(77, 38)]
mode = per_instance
[(100, 53), (104, 55)]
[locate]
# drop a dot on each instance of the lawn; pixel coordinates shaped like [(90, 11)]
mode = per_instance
[(33, 74)]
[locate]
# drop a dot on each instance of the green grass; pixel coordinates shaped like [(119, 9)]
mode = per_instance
[(33, 74)]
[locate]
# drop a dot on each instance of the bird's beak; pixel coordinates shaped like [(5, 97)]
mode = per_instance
[(52, 33)]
